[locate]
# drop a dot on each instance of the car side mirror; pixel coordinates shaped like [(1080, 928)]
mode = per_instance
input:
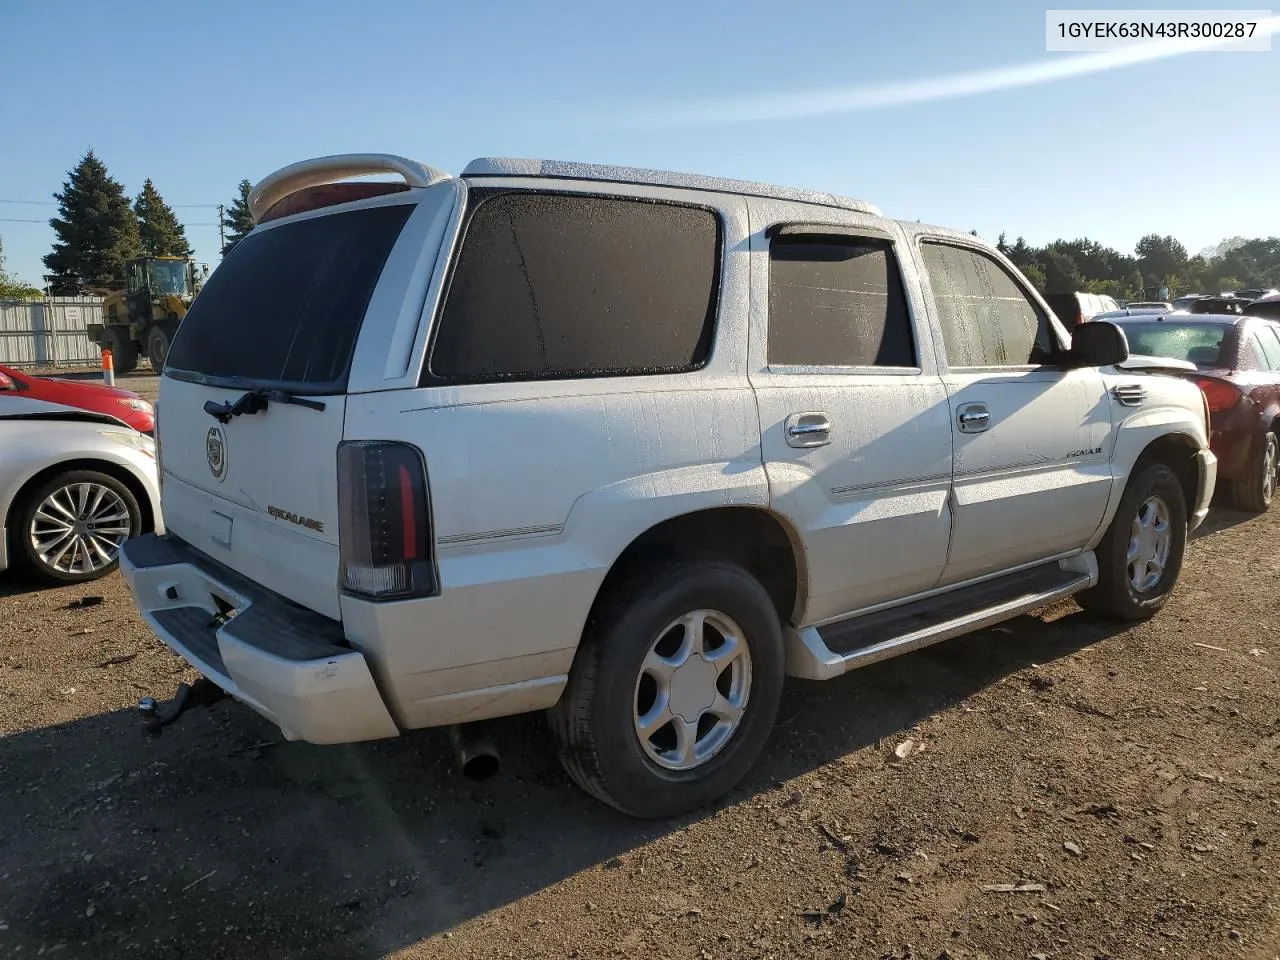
[(1097, 344), (6, 382)]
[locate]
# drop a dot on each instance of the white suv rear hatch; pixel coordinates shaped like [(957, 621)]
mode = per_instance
[(275, 330)]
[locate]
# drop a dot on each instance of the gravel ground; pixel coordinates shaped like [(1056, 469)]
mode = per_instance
[(1124, 783)]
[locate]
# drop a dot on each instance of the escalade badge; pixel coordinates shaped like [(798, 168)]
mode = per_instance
[(291, 517), (215, 449)]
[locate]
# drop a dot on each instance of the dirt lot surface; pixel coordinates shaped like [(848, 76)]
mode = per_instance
[(1122, 787)]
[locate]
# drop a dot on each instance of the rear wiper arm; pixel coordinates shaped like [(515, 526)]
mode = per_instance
[(255, 401)]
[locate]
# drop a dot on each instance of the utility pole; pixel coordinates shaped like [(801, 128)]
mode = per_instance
[(222, 236)]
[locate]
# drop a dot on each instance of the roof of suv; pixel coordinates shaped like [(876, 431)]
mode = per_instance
[(511, 167), (323, 174)]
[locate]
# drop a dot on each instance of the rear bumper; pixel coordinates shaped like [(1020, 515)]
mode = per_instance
[(286, 662), (1208, 480)]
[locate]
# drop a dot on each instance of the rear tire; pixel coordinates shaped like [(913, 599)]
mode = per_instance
[(630, 673), (159, 339), (1255, 492), (124, 352), (95, 525), (1141, 553)]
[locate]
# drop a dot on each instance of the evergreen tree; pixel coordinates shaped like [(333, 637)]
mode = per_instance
[(96, 230), (237, 220), (1061, 275), (160, 232), (1160, 257)]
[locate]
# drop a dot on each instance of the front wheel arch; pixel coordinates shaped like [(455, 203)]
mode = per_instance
[(113, 470), (1177, 451)]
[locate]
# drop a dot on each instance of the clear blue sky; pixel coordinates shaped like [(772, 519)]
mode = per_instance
[(199, 96)]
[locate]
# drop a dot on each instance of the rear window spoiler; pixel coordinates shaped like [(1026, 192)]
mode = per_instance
[(324, 170)]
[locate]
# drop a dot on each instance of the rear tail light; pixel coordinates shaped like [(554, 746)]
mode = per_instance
[(1218, 394), (384, 521)]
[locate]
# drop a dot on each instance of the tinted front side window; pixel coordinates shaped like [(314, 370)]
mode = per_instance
[(287, 304), (837, 301), (551, 285), (987, 321)]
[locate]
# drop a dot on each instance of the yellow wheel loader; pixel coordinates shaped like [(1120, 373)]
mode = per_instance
[(141, 319)]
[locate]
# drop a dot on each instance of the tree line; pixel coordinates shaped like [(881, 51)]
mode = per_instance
[(1067, 266), (98, 228)]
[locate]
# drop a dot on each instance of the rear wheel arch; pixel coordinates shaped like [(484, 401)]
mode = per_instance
[(757, 539)]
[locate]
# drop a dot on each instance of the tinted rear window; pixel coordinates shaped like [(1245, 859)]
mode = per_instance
[(555, 285), (287, 304), (1198, 343)]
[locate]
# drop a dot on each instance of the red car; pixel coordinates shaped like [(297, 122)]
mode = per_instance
[(1237, 362), (85, 395)]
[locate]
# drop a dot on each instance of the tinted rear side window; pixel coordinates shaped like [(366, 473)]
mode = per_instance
[(552, 285), (287, 304), (837, 302)]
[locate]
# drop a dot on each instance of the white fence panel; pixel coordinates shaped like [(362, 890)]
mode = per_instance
[(18, 344), (49, 332)]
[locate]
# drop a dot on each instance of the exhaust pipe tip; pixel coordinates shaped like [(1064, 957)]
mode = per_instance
[(474, 751), (481, 767)]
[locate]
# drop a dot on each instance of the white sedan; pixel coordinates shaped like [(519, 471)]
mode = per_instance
[(74, 485)]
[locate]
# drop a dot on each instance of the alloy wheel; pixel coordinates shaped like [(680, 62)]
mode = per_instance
[(691, 695), (1150, 539), (79, 528)]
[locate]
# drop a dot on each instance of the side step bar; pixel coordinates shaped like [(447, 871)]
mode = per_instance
[(820, 653)]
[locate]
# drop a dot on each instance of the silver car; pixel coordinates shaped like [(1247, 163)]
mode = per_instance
[(74, 485)]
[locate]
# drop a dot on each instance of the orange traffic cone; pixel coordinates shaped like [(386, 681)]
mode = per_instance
[(108, 368)]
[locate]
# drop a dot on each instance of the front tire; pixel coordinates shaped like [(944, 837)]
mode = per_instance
[(70, 528), (674, 690), (1255, 492), (1141, 553), (159, 339), (124, 352)]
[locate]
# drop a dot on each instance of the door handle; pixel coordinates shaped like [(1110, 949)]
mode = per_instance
[(808, 429), (973, 418)]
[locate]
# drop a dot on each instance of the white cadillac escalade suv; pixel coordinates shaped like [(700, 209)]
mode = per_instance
[(628, 447)]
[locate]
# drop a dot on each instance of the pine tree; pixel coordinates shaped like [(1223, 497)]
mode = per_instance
[(160, 232), (237, 220), (96, 228)]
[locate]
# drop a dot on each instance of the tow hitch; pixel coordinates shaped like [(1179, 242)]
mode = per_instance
[(158, 715)]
